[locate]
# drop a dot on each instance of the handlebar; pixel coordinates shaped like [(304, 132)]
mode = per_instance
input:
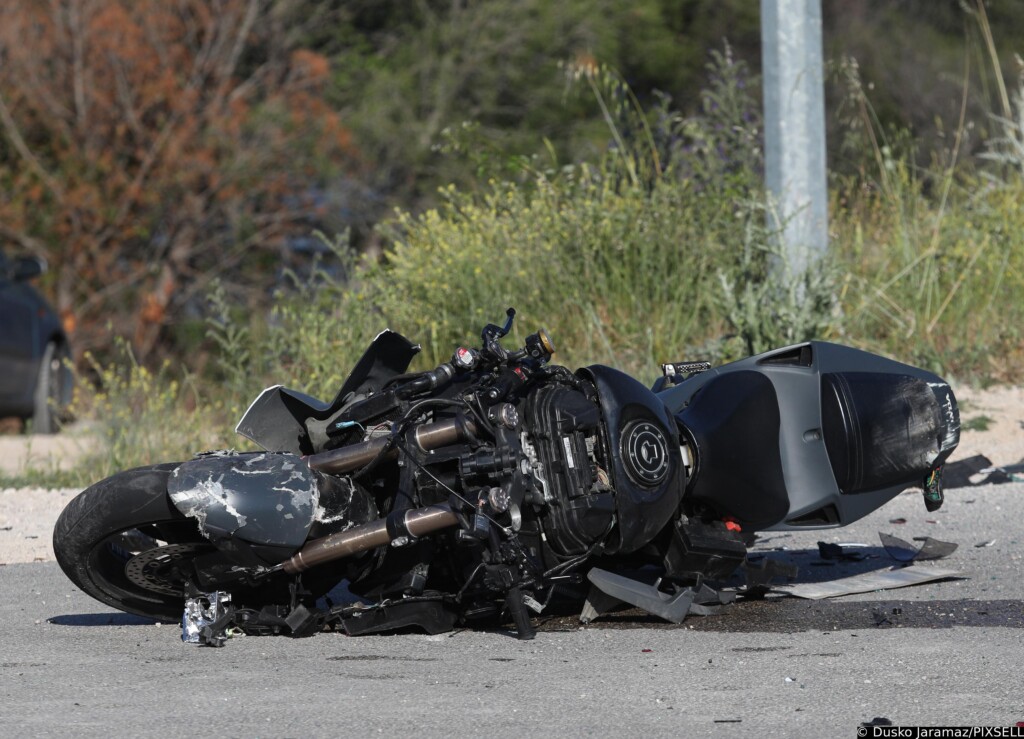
[(515, 365)]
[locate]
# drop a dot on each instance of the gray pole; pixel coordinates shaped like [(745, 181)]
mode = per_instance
[(794, 124)]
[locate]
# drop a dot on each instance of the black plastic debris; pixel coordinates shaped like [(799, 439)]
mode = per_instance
[(904, 551), (887, 618), (760, 573), (847, 552), (876, 721), (673, 607)]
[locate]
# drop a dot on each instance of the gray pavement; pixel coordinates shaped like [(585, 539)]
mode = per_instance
[(952, 655)]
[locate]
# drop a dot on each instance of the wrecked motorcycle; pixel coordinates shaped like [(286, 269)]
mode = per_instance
[(498, 484)]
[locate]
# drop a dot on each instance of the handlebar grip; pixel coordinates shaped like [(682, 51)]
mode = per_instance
[(427, 381)]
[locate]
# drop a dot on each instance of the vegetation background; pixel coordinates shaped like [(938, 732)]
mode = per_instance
[(596, 163)]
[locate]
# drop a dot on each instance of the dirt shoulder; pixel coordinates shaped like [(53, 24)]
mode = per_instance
[(992, 423)]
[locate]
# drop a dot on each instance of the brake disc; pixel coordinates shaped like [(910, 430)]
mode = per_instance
[(157, 569)]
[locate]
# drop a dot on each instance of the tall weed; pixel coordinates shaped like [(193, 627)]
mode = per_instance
[(145, 416)]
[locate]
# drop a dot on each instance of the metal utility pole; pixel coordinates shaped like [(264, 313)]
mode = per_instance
[(794, 123)]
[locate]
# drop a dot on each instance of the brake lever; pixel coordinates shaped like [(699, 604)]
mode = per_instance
[(492, 333)]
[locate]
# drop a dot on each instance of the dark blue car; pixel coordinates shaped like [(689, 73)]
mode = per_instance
[(35, 382)]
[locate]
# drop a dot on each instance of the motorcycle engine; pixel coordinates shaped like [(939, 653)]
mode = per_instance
[(564, 445)]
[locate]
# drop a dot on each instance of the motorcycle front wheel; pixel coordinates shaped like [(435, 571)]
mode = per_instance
[(123, 542)]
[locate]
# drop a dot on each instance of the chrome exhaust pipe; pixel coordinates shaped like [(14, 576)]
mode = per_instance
[(416, 522)]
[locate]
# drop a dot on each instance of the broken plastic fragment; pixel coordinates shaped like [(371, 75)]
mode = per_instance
[(671, 607), (597, 604), (759, 575), (847, 551), (903, 551), (895, 577), (876, 721)]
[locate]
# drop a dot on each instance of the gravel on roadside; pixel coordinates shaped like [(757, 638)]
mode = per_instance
[(27, 517)]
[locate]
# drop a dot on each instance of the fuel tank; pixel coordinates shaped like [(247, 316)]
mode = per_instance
[(643, 442), (814, 435)]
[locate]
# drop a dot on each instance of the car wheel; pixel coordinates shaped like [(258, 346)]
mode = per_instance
[(52, 390)]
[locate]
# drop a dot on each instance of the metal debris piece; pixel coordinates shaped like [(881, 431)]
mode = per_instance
[(904, 551), (894, 577), (201, 612)]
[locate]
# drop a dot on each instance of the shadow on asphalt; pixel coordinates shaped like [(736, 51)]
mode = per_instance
[(100, 619), (792, 615)]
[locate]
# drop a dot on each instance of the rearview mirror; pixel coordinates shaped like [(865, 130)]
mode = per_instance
[(26, 268)]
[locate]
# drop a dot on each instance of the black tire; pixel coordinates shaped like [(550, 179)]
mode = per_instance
[(112, 521), (52, 394)]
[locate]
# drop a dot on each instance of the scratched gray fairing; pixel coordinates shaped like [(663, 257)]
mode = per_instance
[(261, 498)]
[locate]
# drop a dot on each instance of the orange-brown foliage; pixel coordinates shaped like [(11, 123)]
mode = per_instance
[(146, 145)]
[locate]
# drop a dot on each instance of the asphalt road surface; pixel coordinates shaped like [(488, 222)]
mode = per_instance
[(944, 653)]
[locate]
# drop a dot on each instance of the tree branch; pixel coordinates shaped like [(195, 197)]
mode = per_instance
[(22, 148), (33, 245)]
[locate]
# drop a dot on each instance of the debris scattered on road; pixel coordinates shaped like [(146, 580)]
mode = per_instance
[(876, 721), (846, 551), (982, 544), (883, 617), (904, 551), (894, 577)]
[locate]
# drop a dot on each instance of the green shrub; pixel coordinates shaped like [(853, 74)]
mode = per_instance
[(657, 252), (145, 416)]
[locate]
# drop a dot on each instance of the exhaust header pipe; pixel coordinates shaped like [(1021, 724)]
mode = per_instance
[(428, 436), (416, 522)]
